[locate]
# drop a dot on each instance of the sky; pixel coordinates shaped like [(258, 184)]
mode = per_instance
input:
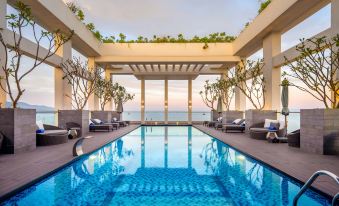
[(171, 17)]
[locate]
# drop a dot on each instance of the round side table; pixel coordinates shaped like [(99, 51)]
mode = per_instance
[(72, 134), (272, 136)]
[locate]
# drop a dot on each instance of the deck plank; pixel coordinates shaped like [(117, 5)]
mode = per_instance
[(20, 169), (292, 161)]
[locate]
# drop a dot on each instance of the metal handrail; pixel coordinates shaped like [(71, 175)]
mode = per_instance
[(311, 180), (77, 147)]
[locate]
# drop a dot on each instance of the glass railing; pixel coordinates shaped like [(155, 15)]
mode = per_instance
[(293, 120)]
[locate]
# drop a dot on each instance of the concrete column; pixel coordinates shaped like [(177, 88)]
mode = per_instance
[(239, 97), (142, 106), (189, 101), (166, 101), (93, 101), (335, 29), (3, 5), (108, 77), (223, 77), (62, 90), (272, 75)]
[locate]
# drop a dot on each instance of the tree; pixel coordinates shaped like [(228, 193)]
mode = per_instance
[(210, 94), (317, 67), (82, 79), (121, 95), (11, 63), (225, 90), (247, 76), (105, 91)]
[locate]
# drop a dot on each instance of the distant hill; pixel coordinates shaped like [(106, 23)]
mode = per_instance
[(39, 108)]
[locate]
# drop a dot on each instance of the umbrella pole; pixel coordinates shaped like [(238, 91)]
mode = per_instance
[(285, 125)]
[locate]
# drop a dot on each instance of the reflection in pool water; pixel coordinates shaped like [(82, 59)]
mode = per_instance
[(166, 166)]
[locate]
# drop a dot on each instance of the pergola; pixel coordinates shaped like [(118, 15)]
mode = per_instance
[(175, 61)]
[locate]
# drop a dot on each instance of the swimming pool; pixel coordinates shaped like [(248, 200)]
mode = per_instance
[(174, 165)]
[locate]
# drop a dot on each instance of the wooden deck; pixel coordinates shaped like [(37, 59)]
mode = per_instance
[(291, 161), (20, 169)]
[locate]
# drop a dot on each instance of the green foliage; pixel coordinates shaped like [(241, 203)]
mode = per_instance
[(317, 67), (12, 67), (210, 94), (263, 5), (121, 95)]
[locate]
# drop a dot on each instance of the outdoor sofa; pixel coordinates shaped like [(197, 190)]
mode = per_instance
[(121, 123), (98, 125), (236, 126), (50, 135), (259, 131), (293, 138)]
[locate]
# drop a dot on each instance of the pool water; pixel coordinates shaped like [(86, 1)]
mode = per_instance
[(173, 165)]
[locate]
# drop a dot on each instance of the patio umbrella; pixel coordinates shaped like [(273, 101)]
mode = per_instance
[(219, 106), (120, 108), (284, 101)]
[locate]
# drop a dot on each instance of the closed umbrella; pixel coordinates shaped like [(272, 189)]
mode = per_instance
[(284, 101), (219, 106), (120, 108)]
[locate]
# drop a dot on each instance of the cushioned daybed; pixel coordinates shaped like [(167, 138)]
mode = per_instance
[(51, 135), (260, 130)]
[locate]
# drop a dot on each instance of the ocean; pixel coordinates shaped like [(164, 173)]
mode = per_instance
[(50, 117)]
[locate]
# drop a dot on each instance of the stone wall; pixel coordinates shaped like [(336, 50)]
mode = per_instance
[(230, 116), (77, 116), (215, 115), (18, 127), (253, 117), (116, 115), (319, 131), (105, 116)]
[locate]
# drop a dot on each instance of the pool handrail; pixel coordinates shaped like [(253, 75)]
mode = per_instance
[(311, 180)]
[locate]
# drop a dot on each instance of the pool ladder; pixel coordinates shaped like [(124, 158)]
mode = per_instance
[(311, 180)]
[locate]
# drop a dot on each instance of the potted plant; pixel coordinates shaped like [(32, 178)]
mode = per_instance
[(105, 91), (247, 77), (210, 96), (83, 81), (120, 97), (18, 125), (317, 67), (225, 90)]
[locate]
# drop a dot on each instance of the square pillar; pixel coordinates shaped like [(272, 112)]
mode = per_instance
[(142, 106), (189, 101), (272, 75), (166, 101), (239, 97), (93, 100), (3, 25), (62, 90), (108, 77)]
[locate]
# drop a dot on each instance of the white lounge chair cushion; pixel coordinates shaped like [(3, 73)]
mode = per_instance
[(219, 119), (268, 122), (40, 125), (97, 121), (236, 121), (115, 119)]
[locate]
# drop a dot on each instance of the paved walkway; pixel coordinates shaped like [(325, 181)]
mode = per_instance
[(287, 159), (20, 169)]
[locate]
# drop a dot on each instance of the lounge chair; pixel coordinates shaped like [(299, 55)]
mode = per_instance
[(100, 127), (260, 130), (121, 123), (293, 138), (220, 125), (234, 127), (51, 135), (74, 126), (99, 122)]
